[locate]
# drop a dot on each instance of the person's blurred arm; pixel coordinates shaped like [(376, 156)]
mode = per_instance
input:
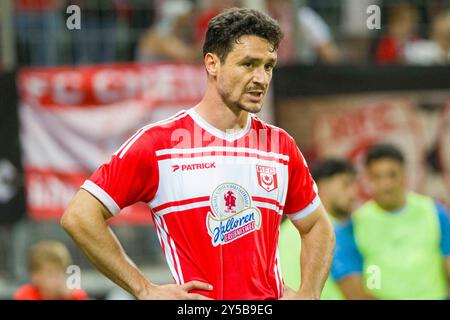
[(352, 287), (318, 34), (155, 46), (347, 267)]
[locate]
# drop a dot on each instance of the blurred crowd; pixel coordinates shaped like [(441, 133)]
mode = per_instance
[(316, 32)]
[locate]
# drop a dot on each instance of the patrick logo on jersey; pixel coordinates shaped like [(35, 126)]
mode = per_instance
[(232, 215)]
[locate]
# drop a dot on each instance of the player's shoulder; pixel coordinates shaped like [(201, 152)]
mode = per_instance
[(272, 130), (167, 125), (26, 292), (157, 133)]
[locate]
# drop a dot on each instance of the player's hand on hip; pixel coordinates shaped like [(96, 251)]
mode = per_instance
[(289, 294), (177, 292)]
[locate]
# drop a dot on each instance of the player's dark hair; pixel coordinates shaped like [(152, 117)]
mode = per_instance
[(225, 29), (327, 168), (384, 151)]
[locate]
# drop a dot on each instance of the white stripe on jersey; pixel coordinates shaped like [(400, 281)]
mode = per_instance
[(266, 205), (276, 278), (177, 259), (140, 132), (280, 275), (223, 149), (101, 195), (183, 207), (305, 211), (168, 252)]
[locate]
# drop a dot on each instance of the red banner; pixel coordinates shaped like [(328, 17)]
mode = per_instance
[(74, 118)]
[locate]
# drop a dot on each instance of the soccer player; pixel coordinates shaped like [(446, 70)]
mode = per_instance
[(397, 245), (217, 179), (47, 265), (336, 181)]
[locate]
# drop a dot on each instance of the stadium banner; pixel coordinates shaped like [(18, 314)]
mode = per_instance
[(72, 119), (12, 206), (339, 120)]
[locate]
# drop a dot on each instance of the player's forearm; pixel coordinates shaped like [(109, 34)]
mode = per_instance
[(317, 254), (98, 243)]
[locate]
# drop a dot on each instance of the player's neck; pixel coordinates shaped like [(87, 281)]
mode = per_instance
[(214, 111)]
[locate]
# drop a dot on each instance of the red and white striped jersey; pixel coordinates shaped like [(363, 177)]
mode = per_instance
[(217, 198)]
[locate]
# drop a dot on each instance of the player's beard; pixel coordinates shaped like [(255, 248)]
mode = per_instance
[(238, 104), (252, 109)]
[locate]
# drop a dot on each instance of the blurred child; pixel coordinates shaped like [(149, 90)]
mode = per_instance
[(47, 264)]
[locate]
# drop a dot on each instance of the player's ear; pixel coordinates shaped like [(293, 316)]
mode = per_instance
[(212, 63)]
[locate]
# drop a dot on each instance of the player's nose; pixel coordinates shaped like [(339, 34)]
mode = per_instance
[(260, 76)]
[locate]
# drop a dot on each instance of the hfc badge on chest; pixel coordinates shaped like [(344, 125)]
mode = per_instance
[(267, 177)]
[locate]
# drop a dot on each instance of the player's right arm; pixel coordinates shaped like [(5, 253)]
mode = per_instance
[(85, 221), (131, 176)]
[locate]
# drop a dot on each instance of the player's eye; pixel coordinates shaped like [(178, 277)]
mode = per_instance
[(247, 64), (268, 67)]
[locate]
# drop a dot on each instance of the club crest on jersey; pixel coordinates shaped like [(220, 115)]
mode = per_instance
[(267, 177), (232, 215)]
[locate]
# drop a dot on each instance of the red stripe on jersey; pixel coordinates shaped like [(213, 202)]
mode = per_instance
[(267, 200), (179, 203)]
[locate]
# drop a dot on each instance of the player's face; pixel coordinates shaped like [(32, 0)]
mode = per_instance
[(50, 280), (244, 76), (387, 180), (340, 191)]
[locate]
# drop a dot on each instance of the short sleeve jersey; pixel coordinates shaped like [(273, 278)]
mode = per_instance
[(216, 198)]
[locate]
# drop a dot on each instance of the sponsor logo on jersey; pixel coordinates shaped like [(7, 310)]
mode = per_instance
[(267, 177), (232, 215), (194, 166)]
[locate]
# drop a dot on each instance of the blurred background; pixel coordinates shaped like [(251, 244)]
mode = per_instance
[(72, 90)]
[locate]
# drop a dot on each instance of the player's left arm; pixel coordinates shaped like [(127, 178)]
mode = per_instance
[(318, 241)]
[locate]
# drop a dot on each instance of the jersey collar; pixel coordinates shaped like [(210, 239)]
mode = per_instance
[(230, 135)]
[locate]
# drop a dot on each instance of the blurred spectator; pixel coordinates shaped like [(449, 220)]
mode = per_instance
[(435, 51), (403, 25), (47, 264), (397, 245), (307, 37), (38, 25), (173, 36), (285, 12), (316, 42), (335, 180), (96, 41), (207, 10), (179, 33), (137, 16)]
